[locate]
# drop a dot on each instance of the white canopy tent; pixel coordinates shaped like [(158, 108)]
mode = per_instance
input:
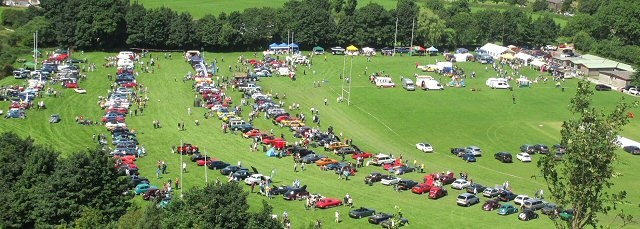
[(538, 63), (461, 57), (524, 57), (494, 50)]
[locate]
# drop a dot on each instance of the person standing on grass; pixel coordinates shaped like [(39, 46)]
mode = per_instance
[(337, 216), (184, 167)]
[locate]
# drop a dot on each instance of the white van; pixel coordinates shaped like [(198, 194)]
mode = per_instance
[(408, 85), (283, 71), (499, 83), (428, 83), (125, 55), (384, 82)]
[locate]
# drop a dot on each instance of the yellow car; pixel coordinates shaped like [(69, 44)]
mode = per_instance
[(335, 146), (224, 116), (296, 123), (222, 110), (227, 118)]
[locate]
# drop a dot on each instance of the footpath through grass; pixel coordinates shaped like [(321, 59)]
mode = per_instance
[(378, 120)]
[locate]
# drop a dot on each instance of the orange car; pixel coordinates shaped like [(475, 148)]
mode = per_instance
[(325, 161), (335, 145)]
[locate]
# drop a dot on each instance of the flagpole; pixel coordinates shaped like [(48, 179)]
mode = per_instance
[(395, 38), (206, 175), (412, 25), (181, 170)]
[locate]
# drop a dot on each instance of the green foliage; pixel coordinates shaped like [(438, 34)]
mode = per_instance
[(591, 6), (620, 20), (566, 6), (406, 13), (213, 206), (430, 28), (43, 190), (545, 31), (582, 178), (539, 5)]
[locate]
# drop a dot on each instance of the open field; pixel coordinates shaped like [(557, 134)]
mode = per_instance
[(379, 120), (199, 8)]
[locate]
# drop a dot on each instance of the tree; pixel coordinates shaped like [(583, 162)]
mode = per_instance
[(582, 178), (459, 6), (591, 6), (375, 25), (406, 13), (214, 206), (181, 32), (566, 6), (350, 7), (636, 75), (430, 27), (620, 20), (539, 5), (135, 25), (462, 24), (545, 31)]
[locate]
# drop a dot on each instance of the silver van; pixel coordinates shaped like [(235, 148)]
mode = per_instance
[(534, 204), (408, 85)]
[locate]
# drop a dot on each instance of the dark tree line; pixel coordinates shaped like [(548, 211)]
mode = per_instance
[(607, 28), (42, 189)]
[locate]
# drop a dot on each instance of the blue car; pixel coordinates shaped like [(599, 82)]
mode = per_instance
[(468, 157), (143, 187)]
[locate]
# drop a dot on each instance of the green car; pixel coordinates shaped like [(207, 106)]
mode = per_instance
[(507, 209), (566, 215), (141, 188)]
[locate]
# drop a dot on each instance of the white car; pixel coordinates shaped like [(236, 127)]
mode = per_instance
[(551, 47), (633, 91), (425, 147), (476, 151), (113, 125), (460, 184), (520, 199), (524, 157), (256, 178), (381, 159), (391, 180), (80, 90)]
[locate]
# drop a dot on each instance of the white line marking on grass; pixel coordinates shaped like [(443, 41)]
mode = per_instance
[(373, 116)]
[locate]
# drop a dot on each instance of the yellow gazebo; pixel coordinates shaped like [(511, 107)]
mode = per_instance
[(507, 56), (352, 48)]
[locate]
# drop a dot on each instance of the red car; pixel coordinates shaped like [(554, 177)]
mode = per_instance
[(203, 162), (129, 84), (187, 148), (361, 154), (119, 110), (392, 165), (328, 202), (444, 179), (421, 188), (279, 143), (268, 139), (253, 133), (70, 84), (282, 118), (437, 192)]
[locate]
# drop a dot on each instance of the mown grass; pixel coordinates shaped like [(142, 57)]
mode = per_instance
[(199, 8), (379, 120)]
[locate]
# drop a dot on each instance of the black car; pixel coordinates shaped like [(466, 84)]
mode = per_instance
[(299, 150), (504, 157), (527, 215), (296, 193), (136, 180), (406, 184), (476, 188), (526, 148), (457, 151), (231, 169), (506, 196), (240, 175), (540, 148), (280, 190), (311, 158), (550, 208), (602, 87), (361, 213), (217, 165), (635, 150), (378, 218), (345, 150), (373, 177), (389, 224), (198, 156)]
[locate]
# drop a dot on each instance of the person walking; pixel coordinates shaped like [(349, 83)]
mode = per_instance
[(337, 216), (158, 173), (177, 183), (164, 168), (325, 101), (184, 167)]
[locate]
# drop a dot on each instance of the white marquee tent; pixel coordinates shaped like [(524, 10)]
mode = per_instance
[(494, 50)]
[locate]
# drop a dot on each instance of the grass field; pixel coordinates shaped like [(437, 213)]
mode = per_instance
[(199, 8), (379, 120)]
